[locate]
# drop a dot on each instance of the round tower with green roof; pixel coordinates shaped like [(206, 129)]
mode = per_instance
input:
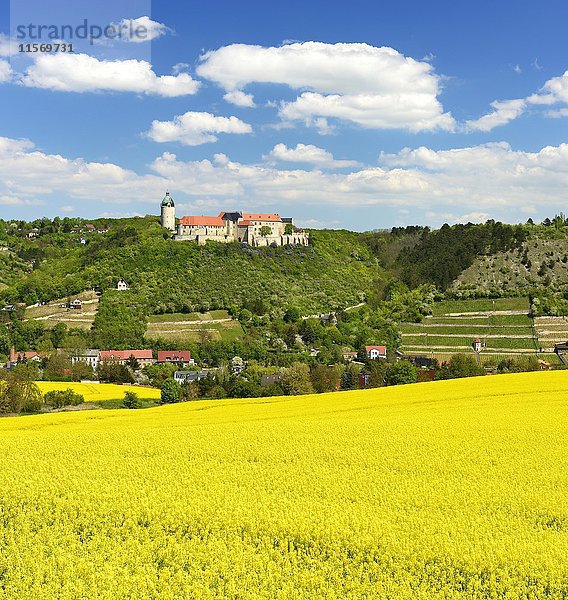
[(168, 212)]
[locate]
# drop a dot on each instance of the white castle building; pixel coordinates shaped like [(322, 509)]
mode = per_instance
[(256, 229)]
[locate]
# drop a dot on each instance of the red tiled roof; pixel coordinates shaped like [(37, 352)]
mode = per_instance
[(381, 349), (261, 217), (125, 354), (245, 223), (23, 355), (202, 221), (174, 356)]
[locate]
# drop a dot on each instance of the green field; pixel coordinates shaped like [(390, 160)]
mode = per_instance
[(433, 491), (466, 341)]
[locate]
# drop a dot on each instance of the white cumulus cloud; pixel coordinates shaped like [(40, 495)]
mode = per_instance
[(504, 112), (195, 128), (84, 73), (472, 183), (142, 29), (239, 98), (554, 91), (370, 86), (307, 153)]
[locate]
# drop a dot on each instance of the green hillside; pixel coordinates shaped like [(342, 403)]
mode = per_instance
[(335, 271)]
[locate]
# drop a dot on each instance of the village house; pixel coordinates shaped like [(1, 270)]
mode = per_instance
[(188, 376), (254, 229), (122, 285), (178, 357), (350, 355), (22, 357), (376, 352), (561, 350), (89, 356), (144, 357)]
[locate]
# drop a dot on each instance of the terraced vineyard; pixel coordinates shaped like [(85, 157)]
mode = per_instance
[(194, 327), (551, 331), (503, 326), (52, 313)]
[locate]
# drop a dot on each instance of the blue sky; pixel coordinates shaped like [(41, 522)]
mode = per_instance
[(359, 115)]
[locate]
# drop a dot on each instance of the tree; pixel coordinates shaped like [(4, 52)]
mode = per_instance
[(19, 392), (292, 314), (326, 379), (131, 400), (113, 372), (289, 229), (401, 372), (58, 367), (133, 363), (170, 391), (159, 373), (189, 391), (81, 370), (296, 380), (461, 365), (265, 230), (376, 369), (350, 377)]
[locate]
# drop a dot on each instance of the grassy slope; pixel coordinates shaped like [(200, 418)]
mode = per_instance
[(446, 489)]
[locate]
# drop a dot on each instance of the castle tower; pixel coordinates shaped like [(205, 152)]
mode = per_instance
[(168, 212)]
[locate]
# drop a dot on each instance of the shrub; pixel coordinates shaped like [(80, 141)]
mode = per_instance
[(401, 372), (131, 400), (61, 398)]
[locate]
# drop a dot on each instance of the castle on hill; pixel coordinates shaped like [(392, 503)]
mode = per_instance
[(255, 229)]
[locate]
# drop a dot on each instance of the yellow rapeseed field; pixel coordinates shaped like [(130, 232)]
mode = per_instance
[(453, 489), (93, 392)]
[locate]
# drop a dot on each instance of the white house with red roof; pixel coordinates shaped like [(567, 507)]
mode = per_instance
[(376, 352), (178, 357), (144, 357), (255, 229)]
